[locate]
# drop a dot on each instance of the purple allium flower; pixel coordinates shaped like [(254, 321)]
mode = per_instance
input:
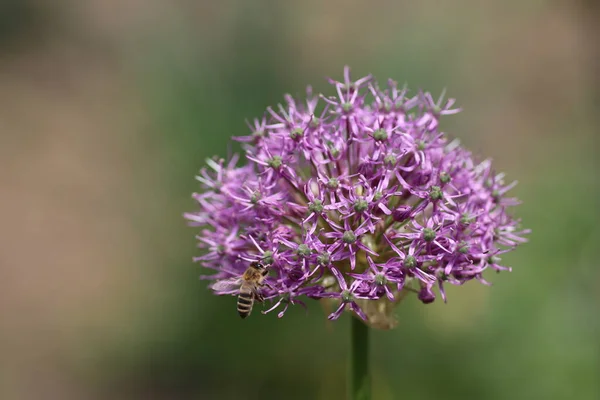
[(357, 198)]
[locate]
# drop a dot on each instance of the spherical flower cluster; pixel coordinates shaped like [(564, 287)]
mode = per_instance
[(357, 198)]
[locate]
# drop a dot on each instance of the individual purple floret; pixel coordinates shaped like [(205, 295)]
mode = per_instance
[(357, 198)]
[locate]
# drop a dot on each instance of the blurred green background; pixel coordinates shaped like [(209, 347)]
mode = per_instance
[(109, 108)]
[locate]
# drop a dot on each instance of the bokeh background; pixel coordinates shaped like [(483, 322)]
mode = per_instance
[(108, 110)]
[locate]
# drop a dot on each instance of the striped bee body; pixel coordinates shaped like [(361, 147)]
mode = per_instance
[(252, 281), (245, 301)]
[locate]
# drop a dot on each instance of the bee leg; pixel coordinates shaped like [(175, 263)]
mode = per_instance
[(259, 297)]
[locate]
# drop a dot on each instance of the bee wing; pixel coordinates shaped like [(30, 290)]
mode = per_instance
[(227, 286)]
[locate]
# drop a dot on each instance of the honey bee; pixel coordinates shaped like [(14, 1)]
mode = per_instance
[(248, 285)]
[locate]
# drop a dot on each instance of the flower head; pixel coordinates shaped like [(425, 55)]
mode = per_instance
[(356, 198)]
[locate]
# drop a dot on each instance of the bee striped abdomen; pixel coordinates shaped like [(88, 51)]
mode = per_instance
[(244, 303)]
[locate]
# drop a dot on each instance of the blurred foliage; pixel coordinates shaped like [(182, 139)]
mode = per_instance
[(21, 23), (15, 17), (534, 334)]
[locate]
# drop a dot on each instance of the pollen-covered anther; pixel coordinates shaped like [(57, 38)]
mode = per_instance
[(316, 206), (267, 257), (303, 250), (390, 160), (429, 234), (380, 134), (435, 193), (349, 237), (445, 178), (335, 152), (333, 183), (324, 258), (255, 197), (275, 162), (466, 219), (380, 279), (360, 205), (410, 262), (346, 296), (463, 247)]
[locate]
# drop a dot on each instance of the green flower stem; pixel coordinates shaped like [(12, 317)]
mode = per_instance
[(360, 379)]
